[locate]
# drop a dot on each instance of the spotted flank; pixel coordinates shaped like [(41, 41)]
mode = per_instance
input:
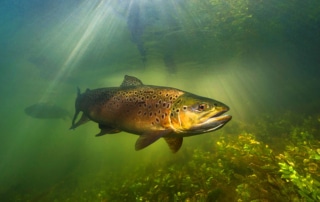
[(152, 112)]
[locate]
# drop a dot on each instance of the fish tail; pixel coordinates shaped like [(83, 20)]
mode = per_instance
[(78, 92), (77, 111)]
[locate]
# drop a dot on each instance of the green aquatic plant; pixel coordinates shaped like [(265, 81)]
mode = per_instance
[(243, 192), (300, 166), (262, 162), (228, 166), (251, 161)]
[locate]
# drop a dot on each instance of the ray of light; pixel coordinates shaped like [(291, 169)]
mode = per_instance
[(74, 35)]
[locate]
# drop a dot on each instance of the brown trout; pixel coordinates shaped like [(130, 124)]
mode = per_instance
[(149, 111)]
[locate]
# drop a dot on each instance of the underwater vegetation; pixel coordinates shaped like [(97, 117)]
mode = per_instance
[(230, 166), (275, 157)]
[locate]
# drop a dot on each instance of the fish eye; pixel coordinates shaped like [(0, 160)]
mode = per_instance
[(201, 107)]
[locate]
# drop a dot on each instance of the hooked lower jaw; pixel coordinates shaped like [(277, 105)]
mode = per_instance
[(213, 123), (219, 121)]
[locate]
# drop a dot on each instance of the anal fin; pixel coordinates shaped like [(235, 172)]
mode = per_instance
[(174, 143)]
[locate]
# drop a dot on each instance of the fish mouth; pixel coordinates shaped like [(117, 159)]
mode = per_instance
[(213, 122), (217, 121)]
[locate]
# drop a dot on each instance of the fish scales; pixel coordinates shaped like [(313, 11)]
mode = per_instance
[(149, 111), (148, 106)]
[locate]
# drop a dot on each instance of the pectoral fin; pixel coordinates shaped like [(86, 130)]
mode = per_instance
[(150, 137), (174, 143), (107, 130)]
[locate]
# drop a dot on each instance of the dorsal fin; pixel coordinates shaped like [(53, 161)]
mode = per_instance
[(130, 81)]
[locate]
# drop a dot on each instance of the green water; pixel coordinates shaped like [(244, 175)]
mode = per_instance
[(261, 58)]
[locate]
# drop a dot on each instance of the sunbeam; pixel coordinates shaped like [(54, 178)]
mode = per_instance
[(84, 23)]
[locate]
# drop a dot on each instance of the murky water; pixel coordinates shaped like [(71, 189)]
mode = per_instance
[(260, 58)]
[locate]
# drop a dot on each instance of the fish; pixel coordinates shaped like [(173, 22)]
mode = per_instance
[(152, 112), (136, 27), (169, 63), (44, 110)]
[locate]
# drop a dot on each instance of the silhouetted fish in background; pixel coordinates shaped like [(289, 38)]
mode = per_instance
[(169, 63), (149, 111), (136, 27), (46, 111), (138, 15)]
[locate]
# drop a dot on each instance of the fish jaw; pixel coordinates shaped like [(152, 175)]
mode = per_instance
[(196, 115), (212, 120), (211, 124)]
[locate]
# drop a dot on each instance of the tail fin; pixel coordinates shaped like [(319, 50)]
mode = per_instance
[(73, 125)]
